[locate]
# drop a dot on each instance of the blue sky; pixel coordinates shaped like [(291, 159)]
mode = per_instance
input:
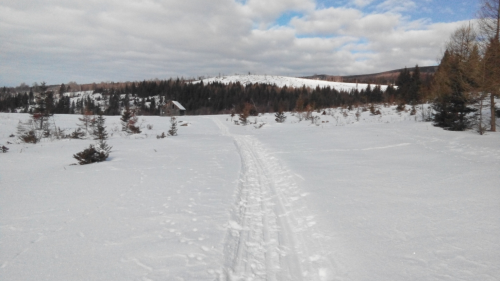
[(107, 40), (432, 10)]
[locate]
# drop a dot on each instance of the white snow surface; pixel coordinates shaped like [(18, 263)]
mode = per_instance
[(290, 82), (383, 198)]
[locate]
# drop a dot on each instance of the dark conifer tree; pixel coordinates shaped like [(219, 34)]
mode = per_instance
[(126, 116), (403, 82), (173, 126), (280, 116), (453, 99), (414, 96), (43, 109), (100, 132)]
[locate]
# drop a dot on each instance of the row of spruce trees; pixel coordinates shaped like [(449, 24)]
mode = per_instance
[(215, 98)]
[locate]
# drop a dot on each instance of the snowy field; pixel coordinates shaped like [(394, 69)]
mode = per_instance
[(383, 198), (290, 82)]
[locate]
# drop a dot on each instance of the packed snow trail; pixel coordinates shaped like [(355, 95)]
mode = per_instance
[(267, 228)]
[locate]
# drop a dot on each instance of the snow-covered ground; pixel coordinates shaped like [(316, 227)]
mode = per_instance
[(292, 82), (382, 198)]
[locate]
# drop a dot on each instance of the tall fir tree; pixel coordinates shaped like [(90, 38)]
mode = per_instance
[(454, 83), (403, 82), (42, 114), (414, 95)]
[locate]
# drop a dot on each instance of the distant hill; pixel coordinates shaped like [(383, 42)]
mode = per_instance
[(383, 78), (282, 81)]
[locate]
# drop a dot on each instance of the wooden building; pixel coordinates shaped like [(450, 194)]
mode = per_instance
[(172, 108)]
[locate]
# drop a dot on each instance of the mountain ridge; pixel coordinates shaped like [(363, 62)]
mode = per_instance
[(385, 77)]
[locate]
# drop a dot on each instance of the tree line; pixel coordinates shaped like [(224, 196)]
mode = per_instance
[(468, 77), (215, 98)]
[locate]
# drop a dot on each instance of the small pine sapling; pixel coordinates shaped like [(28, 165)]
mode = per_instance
[(245, 112), (98, 152), (92, 155), (4, 149), (280, 116), (101, 135), (374, 111), (102, 146), (125, 118), (132, 127), (128, 121), (77, 134), (173, 127)]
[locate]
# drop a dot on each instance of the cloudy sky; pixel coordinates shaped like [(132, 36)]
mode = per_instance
[(58, 41)]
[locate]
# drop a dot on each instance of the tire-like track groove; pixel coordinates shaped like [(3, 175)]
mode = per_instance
[(265, 238)]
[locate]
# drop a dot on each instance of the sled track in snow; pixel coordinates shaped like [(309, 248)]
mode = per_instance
[(268, 228)]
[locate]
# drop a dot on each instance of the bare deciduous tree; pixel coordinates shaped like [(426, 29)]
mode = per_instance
[(489, 18), (462, 42)]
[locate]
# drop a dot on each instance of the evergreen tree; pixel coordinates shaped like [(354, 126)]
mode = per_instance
[(152, 106), (173, 126), (280, 116), (92, 155), (100, 132), (129, 121), (62, 90), (414, 87), (43, 110), (101, 136), (403, 82), (126, 116), (454, 83)]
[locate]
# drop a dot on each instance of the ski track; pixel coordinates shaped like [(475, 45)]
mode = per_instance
[(269, 225)]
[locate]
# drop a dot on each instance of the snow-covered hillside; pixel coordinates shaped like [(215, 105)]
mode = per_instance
[(282, 81), (342, 197)]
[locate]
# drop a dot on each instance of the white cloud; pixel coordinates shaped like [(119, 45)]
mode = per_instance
[(267, 11), (92, 41), (396, 5), (362, 3)]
